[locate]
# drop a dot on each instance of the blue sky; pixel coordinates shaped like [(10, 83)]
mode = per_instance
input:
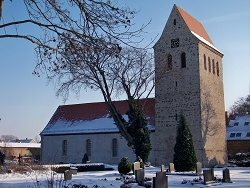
[(27, 102)]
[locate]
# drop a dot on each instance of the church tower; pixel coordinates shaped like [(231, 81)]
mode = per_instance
[(189, 80)]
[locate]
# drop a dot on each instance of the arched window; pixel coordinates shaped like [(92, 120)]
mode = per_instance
[(114, 147), (169, 62), (217, 69), (205, 62), (64, 148), (213, 66), (183, 60), (88, 147), (209, 64)]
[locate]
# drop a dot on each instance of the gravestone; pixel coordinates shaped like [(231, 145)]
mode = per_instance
[(226, 176), (171, 167), (136, 166), (161, 180), (208, 175), (198, 168), (67, 175), (73, 170), (139, 175), (162, 168)]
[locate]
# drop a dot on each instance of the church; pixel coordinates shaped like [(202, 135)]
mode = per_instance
[(189, 81)]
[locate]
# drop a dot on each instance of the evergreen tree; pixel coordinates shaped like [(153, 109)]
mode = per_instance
[(184, 153), (137, 128)]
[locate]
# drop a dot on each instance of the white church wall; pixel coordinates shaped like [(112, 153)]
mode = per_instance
[(101, 148)]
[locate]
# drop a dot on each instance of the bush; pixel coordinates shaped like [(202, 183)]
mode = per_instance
[(85, 158), (124, 166)]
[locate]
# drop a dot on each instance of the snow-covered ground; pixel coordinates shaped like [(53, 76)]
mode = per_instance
[(240, 177)]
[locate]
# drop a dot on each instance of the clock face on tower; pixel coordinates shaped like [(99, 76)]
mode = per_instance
[(174, 43)]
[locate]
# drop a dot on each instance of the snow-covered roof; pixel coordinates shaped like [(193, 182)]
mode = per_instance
[(20, 145), (205, 41), (90, 118), (23, 141), (239, 127)]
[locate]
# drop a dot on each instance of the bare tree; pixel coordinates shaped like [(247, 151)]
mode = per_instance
[(6, 140), (241, 106), (87, 44)]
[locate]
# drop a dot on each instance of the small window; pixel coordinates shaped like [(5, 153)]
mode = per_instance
[(238, 134), (232, 134), (236, 123), (183, 60), (248, 134), (213, 66), (88, 147), (217, 69), (174, 21), (205, 62), (246, 123), (114, 147), (169, 62), (64, 148), (209, 64)]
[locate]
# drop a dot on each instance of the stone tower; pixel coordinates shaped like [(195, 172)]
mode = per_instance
[(189, 80)]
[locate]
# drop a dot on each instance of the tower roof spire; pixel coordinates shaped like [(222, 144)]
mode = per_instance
[(194, 25)]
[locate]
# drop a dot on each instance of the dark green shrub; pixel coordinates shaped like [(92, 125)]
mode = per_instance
[(85, 158), (184, 153), (124, 166)]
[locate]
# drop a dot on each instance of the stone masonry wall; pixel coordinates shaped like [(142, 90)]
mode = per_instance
[(180, 90)]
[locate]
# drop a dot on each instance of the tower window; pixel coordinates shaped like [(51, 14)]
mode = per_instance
[(205, 62), (232, 134), (238, 134), (213, 66), (246, 123), (217, 69), (170, 62), (183, 60), (88, 147), (114, 147), (174, 21), (64, 148), (209, 64)]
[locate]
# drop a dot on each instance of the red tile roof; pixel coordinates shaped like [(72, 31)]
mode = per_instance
[(194, 25), (92, 111)]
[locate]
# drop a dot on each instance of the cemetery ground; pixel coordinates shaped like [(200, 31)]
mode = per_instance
[(39, 178)]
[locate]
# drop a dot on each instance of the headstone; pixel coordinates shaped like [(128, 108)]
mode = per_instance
[(67, 175), (226, 176), (73, 170), (208, 175), (161, 180), (136, 166), (162, 168), (171, 167), (139, 175), (198, 168)]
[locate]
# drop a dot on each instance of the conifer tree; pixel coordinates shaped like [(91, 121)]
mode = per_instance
[(138, 130), (184, 153)]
